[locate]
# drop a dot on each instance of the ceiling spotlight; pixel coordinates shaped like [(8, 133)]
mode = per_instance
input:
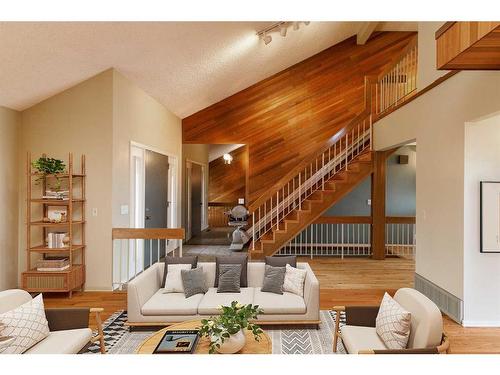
[(267, 38), (227, 157), (283, 29)]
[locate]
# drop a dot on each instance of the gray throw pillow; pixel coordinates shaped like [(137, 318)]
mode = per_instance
[(274, 278), (192, 260), (278, 261), (233, 259), (193, 282), (229, 278)]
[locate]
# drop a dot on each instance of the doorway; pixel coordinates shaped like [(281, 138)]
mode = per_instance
[(196, 198)]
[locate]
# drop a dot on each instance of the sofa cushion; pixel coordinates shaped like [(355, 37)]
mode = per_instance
[(277, 261), (211, 301), (286, 303), (173, 280), (193, 282), (356, 338), (273, 279), (393, 323), (192, 260), (171, 304), (27, 323), (229, 278), (63, 342), (294, 280), (233, 259)]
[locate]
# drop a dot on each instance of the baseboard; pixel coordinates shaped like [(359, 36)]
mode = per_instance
[(448, 303), (481, 323)]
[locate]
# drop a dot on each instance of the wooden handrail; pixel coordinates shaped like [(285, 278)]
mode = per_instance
[(363, 220), (148, 233), (411, 44), (446, 26)]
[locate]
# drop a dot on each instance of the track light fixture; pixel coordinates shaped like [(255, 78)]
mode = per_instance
[(281, 27)]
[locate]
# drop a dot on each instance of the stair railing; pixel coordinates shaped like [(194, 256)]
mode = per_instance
[(383, 93), (345, 147)]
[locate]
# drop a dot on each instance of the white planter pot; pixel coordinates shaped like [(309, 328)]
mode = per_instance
[(233, 344)]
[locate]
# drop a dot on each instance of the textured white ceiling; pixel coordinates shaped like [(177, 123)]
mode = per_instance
[(186, 66)]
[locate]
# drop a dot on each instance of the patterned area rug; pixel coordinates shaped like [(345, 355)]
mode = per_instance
[(284, 341)]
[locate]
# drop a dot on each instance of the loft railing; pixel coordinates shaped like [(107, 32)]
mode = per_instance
[(382, 93), (137, 249), (350, 236)]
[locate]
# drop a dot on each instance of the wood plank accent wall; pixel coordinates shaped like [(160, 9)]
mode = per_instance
[(285, 118), (468, 45), (227, 182)]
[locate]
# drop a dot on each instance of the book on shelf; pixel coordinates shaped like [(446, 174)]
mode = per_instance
[(59, 194), (53, 264), (55, 240)]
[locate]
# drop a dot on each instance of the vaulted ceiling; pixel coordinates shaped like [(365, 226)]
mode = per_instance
[(186, 66)]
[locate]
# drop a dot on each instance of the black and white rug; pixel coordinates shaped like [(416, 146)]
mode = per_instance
[(294, 340)]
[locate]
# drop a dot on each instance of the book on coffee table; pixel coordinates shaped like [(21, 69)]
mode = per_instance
[(178, 342)]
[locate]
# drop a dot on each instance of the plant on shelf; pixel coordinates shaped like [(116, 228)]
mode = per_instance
[(49, 166), (226, 331)]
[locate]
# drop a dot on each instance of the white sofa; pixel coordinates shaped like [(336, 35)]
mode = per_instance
[(69, 331), (148, 305)]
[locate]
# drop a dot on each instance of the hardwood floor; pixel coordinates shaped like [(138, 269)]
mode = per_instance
[(351, 281)]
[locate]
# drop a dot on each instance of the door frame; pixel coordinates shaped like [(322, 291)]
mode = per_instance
[(173, 184), (204, 197)]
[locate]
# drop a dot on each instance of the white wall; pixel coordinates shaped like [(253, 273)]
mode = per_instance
[(140, 118), (10, 123), (481, 271), (436, 120)]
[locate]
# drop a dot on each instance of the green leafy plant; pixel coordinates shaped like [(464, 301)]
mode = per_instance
[(49, 166), (231, 320)]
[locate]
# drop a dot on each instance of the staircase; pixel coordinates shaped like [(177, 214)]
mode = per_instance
[(323, 179), (332, 174)]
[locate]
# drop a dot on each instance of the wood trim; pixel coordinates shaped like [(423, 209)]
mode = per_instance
[(378, 182), (400, 220), (416, 95), (444, 28), (148, 233), (343, 220)]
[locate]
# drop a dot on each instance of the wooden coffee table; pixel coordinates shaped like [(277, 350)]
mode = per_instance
[(251, 346)]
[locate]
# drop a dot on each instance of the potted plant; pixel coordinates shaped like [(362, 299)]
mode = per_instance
[(226, 331), (49, 166)]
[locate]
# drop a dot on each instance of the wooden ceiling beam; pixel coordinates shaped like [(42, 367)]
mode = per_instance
[(365, 31)]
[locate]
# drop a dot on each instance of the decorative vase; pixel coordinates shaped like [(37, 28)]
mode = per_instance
[(233, 344)]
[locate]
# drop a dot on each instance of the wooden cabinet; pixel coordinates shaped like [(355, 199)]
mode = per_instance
[(39, 227)]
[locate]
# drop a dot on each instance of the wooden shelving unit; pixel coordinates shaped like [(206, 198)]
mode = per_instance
[(37, 230)]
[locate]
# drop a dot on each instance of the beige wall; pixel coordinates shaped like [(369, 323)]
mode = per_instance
[(77, 120), (197, 153), (481, 271), (139, 118), (427, 72), (436, 120), (10, 122)]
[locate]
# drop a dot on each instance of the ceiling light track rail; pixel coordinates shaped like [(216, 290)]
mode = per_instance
[(279, 27)]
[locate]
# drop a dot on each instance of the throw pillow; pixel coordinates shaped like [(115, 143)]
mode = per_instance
[(232, 259), (27, 323), (273, 279), (294, 280), (229, 278), (173, 283), (393, 323), (192, 260), (193, 282), (282, 261)]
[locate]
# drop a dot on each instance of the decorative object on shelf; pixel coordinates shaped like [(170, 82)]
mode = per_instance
[(55, 225), (226, 330), (49, 166), (57, 214)]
